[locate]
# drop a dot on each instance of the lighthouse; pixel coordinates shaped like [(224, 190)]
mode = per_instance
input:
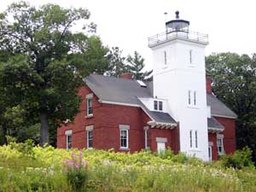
[(179, 77)]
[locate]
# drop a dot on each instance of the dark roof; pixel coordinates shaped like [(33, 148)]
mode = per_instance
[(161, 117), (117, 90), (214, 124), (218, 108), (127, 92)]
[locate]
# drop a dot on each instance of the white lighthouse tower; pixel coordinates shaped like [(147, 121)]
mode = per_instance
[(179, 77)]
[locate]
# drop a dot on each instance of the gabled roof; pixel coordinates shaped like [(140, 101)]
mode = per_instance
[(127, 92), (218, 108), (117, 90)]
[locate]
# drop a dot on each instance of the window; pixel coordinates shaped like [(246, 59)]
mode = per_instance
[(190, 56), (124, 136), (68, 134), (160, 105), (191, 138), (89, 109), (165, 58), (220, 145), (196, 142), (89, 139), (155, 105), (192, 98), (189, 97), (89, 136)]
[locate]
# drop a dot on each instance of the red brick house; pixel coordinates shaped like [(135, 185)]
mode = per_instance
[(112, 117), (177, 110)]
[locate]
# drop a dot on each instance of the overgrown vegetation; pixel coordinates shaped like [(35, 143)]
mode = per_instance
[(95, 170)]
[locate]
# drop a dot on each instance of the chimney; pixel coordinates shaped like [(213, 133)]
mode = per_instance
[(126, 75), (208, 85)]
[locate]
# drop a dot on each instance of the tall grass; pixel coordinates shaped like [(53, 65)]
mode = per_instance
[(43, 169)]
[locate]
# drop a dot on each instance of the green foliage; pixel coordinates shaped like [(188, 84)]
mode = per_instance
[(25, 148), (36, 43), (234, 83), (109, 171), (240, 159), (136, 66)]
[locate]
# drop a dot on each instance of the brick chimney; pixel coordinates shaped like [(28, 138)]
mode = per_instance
[(208, 85), (126, 75)]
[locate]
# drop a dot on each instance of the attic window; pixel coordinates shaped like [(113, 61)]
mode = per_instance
[(141, 83)]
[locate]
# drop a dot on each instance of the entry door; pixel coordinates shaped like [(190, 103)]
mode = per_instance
[(160, 146)]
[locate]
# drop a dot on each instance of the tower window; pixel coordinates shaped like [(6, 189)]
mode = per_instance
[(196, 141), (165, 58), (192, 98), (191, 138), (189, 97), (190, 56)]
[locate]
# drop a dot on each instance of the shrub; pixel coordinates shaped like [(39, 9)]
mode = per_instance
[(240, 159)]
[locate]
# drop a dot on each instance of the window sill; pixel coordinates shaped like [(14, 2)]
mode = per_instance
[(194, 150), (191, 65), (89, 116)]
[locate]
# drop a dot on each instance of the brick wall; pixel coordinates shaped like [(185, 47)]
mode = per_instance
[(213, 138), (229, 134)]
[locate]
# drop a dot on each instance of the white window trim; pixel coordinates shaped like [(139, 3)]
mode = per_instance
[(157, 102), (89, 97), (68, 133), (124, 128), (88, 129), (221, 137)]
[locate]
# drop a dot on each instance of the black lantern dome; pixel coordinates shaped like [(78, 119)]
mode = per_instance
[(177, 25)]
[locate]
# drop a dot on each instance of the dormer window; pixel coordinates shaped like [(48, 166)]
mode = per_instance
[(158, 105)]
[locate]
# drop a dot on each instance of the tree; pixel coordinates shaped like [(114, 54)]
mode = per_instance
[(234, 82), (116, 62), (136, 65), (92, 57), (39, 74)]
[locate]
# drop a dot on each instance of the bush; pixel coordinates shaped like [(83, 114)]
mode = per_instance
[(240, 159)]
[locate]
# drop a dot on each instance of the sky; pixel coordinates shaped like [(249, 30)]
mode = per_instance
[(127, 24)]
